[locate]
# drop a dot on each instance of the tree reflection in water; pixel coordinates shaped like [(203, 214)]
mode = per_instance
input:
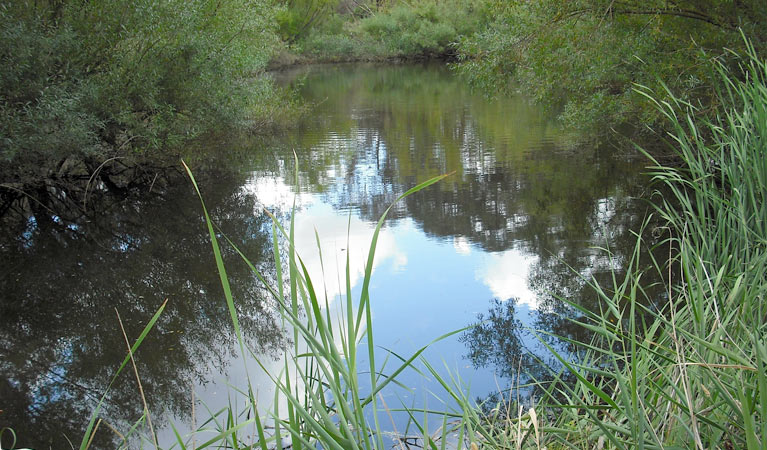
[(565, 268), (520, 186), (498, 340), (520, 192), (60, 341)]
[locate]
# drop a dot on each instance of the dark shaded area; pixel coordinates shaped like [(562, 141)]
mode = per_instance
[(102, 94), (62, 283)]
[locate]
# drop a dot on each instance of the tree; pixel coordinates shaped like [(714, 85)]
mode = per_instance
[(298, 16), (91, 91)]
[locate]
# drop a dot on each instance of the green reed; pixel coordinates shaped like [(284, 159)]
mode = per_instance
[(688, 370), (327, 403)]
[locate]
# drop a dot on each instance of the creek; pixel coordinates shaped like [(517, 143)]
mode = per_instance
[(524, 218)]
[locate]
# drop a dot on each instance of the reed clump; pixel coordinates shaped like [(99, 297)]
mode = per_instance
[(688, 370), (329, 403)]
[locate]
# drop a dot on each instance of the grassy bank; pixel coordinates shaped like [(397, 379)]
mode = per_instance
[(689, 371)]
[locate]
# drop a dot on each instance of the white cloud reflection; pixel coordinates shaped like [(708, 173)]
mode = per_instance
[(461, 245), (338, 236), (506, 274), (272, 192)]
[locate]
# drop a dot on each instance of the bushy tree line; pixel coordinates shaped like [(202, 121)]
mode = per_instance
[(90, 88), (584, 57), (86, 82), (376, 30)]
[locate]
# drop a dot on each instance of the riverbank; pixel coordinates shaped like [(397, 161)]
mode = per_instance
[(105, 96), (691, 371), (114, 111), (395, 31), (285, 59), (580, 61), (689, 363), (374, 132)]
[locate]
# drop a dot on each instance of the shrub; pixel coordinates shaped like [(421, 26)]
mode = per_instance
[(582, 58), (86, 82), (688, 369), (424, 29)]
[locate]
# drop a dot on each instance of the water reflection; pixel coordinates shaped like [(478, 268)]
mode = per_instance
[(60, 341), (512, 229), (342, 236), (499, 340), (531, 213)]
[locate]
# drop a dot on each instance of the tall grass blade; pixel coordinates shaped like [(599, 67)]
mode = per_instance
[(89, 431)]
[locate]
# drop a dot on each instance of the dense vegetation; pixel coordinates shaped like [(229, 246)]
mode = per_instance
[(401, 30), (102, 95), (580, 58), (691, 372), (102, 92), (686, 369), (584, 57), (105, 91)]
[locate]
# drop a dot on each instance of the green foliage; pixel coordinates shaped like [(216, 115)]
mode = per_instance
[(81, 82), (343, 46), (411, 30), (684, 369), (422, 29), (297, 17), (327, 403), (690, 370), (582, 58), (44, 101)]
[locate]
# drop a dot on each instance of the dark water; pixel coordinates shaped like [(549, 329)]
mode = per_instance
[(520, 222)]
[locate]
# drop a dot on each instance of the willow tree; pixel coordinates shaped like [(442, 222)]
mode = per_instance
[(297, 17), (90, 87)]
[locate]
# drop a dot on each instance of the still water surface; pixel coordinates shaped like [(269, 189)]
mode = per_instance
[(516, 225)]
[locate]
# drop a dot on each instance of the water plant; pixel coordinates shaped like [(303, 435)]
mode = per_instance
[(688, 370), (329, 403)]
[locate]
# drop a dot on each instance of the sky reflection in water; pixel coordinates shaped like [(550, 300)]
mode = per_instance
[(517, 222)]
